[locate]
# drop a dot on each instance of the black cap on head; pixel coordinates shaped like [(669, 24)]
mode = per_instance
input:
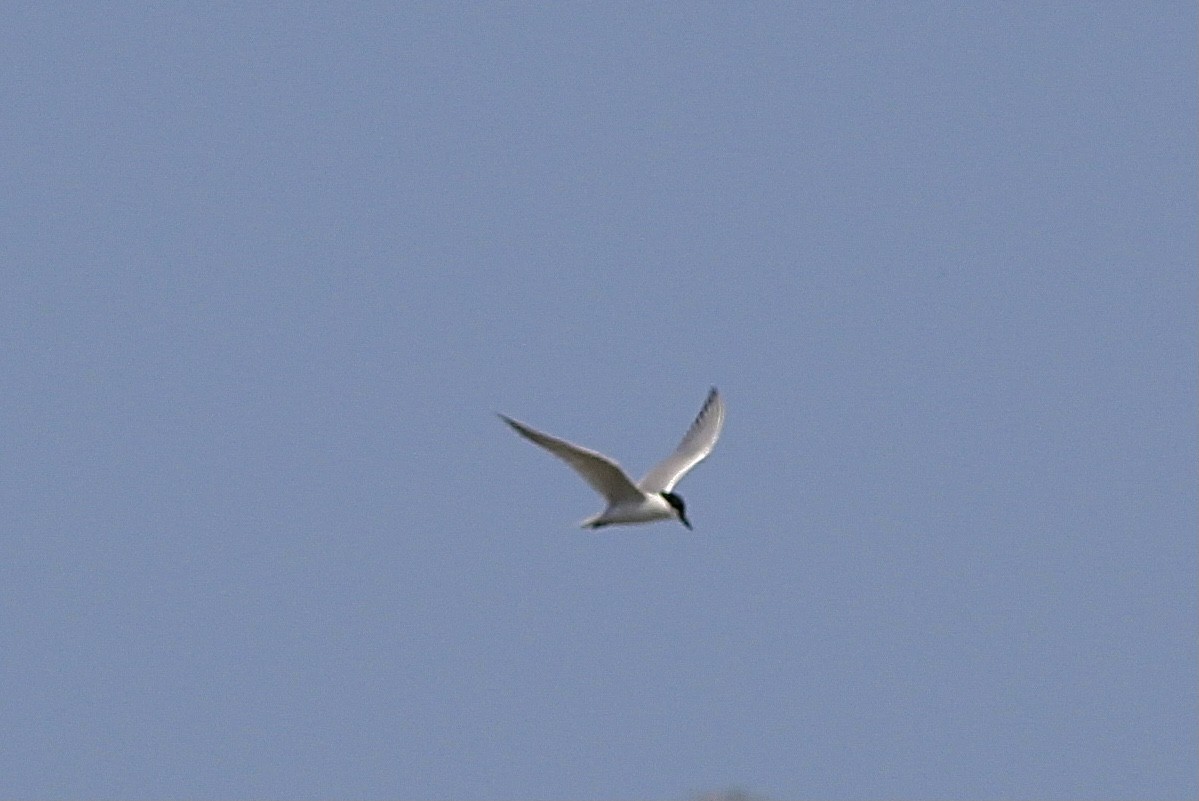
[(676, 501)]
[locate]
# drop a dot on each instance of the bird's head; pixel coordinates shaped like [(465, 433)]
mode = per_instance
[(680, 508)]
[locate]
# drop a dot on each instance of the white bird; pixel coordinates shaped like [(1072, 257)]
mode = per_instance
[(650, 499)]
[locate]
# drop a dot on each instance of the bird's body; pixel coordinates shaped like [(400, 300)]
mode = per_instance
[(650, 499), (647, 509)]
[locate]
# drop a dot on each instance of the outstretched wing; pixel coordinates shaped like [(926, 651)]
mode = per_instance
[(603, 474), (696, 445)]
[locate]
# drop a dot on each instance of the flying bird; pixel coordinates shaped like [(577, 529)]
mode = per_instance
[(651, 498)]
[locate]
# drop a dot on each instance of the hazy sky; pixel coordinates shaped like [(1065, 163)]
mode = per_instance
[(269, 270)]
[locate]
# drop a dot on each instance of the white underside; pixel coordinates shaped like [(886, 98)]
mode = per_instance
[(647, 510)]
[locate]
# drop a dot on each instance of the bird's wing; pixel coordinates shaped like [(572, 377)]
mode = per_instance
[(696, 445), (603, 474)]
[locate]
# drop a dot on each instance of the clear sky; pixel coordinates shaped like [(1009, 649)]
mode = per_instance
[(270, 270)]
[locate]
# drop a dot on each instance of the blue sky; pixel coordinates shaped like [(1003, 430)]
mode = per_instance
[(269, 272)]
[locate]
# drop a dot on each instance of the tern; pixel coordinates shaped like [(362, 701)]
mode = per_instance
[(651, 498)]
